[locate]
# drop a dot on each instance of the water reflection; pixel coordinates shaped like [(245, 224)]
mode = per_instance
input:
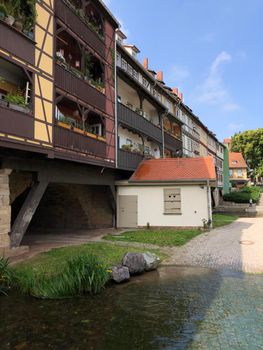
[(173, 308)]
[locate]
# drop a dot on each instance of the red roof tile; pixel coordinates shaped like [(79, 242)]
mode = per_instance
[(236, 160), (175, 169)]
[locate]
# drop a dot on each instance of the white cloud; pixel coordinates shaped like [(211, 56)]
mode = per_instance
[(207, 38), (231, 107), (178, 73), (235, 127), (212, 90)]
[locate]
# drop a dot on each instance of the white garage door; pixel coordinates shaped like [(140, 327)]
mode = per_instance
[(127, 211)]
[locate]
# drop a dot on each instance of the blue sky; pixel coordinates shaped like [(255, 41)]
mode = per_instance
[(211, 49)]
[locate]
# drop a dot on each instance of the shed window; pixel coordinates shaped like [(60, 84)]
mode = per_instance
[(172, 201)]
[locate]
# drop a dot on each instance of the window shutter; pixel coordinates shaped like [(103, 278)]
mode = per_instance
[(172, 201)]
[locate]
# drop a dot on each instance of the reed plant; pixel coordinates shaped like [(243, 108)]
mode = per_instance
[(7, 276), (82, 274)]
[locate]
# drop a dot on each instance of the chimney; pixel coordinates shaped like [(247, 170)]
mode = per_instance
[(180, 95), (175, 91), (145, 63), (159, 76)]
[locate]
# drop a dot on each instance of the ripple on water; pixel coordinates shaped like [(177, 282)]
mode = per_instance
[(172, 308)]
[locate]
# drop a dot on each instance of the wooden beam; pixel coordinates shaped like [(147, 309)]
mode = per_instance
[(26, 213)]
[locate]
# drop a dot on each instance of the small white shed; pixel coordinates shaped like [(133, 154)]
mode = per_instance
[(167, 193)]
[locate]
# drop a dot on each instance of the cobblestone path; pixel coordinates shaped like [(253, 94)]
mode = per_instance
[(238, 246)]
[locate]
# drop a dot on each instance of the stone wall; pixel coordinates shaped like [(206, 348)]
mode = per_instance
[(69, 207), (19, 181), (5, 208)]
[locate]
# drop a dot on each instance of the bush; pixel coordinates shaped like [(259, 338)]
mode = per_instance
[(244, 195), (7, 276), (83, 274)]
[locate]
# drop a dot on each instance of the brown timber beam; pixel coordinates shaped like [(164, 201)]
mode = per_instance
[(26, 213)]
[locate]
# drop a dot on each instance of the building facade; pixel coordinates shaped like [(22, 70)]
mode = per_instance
[(57, 104), (147, 124)]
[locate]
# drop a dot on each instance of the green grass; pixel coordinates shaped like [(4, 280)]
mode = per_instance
[(36, 276), (222, 219), (159, 237)]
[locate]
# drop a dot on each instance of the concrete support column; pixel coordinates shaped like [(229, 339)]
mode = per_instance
[(5, 208)]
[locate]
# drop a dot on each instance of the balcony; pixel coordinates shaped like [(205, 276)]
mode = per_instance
[(75, 141), (128, 160), (68, 16), (172, 143), (137, 122), (16, 123), (79, 88), (18, 44)]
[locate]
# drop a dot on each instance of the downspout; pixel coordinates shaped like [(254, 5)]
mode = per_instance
[(116, 102), (208, 191)]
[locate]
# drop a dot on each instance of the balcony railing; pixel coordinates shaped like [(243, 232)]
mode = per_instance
[(76, 24), (17, 43), (16, 123), (128, 160), (79, 88), (73, 141), (137, 122), (172, 143)]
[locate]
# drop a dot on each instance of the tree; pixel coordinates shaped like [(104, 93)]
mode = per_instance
[(250, 144)]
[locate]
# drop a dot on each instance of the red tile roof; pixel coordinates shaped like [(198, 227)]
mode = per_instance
[(175, 169), (236, 160)]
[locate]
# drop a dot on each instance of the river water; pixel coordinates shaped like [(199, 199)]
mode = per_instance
[(172, 308)]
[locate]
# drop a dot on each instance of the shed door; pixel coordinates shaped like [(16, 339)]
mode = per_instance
[(127, 213)]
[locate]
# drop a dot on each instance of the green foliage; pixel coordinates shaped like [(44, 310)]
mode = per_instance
[(244, 195), (7, 276), (38, 275), (163, 237), (222, 219), (82, 274), (3, 9), (250, 144), (16, 98)]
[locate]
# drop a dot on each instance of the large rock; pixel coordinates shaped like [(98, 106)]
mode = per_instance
[(151, 261), (120, 274), (135, 262)]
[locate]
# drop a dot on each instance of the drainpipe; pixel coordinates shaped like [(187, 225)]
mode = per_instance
[(209, 203), (116, 105)]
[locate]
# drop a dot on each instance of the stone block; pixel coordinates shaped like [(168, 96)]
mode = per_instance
[(5, 228), (151, 261), (4, 200), (4, 240), (135, 263), (5, 171), (4, 179), (4, 187), (120, 274)]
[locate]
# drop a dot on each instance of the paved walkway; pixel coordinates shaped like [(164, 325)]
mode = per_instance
[(238, 246)]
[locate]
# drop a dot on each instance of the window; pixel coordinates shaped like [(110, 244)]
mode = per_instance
[(172, 201), (230, 172), (239, 172), (129, 142)]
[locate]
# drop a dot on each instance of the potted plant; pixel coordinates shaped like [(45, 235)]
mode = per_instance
[(19, 22), (17, 101), (28, 10), (127, 148), (3, 11), (12, 9)]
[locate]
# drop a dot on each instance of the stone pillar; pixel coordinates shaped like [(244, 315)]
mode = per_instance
[(5, 208)]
